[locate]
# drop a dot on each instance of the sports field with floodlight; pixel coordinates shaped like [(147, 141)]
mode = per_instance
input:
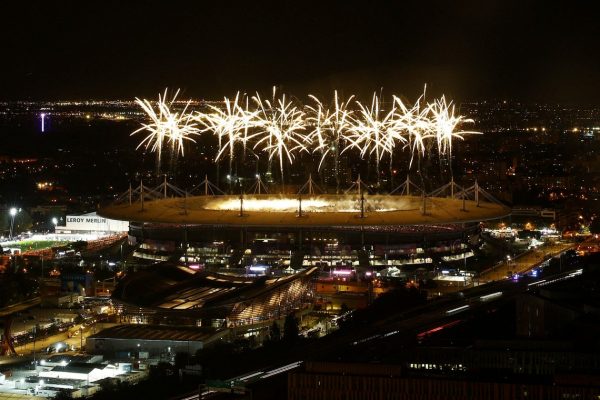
[(309, 211)]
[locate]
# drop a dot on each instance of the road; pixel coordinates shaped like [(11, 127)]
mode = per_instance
[(76, 340), (524, 262), (26, 351), (14, 308)]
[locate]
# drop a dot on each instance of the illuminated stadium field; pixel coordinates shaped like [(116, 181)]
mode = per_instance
[(313, 211)]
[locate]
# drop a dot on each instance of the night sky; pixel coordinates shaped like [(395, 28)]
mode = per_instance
[(531, 51)]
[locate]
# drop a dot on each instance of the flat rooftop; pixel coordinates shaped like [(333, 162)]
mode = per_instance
[(155, 332)]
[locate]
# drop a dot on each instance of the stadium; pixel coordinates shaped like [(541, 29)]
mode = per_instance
[(238, 260), (254, 241), (260, 230)]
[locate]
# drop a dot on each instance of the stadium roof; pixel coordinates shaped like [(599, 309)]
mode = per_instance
[(193, 210)]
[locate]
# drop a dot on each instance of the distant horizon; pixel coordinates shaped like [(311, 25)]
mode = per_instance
[(183, 99)]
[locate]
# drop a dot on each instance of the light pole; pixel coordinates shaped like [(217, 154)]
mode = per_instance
[(34, 337), (13, 212)]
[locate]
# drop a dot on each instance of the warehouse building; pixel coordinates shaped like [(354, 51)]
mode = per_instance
[(148, 341)]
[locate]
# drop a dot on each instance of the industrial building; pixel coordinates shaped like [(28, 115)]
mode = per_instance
[(149, 341)]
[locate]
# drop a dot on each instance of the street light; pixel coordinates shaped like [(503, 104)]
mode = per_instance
[(81, 338), (34, 337)]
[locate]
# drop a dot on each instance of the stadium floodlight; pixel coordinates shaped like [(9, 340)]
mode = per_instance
[(13, 212)]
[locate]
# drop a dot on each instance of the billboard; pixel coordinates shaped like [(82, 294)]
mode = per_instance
[(92, 222)]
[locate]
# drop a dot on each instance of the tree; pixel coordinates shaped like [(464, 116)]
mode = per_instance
[(275, 332), (181, 359), (108, 385), (595, 226), (62, 395), (344, 308), (291, 329)]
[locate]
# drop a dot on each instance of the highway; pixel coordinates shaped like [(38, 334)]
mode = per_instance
[(18, 307), (524, 262)]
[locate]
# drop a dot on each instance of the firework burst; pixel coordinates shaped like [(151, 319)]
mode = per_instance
[(373, 131), (414, 122), (281, 129), (165, 124), (230, 124), (329, 126), (444, 124)]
